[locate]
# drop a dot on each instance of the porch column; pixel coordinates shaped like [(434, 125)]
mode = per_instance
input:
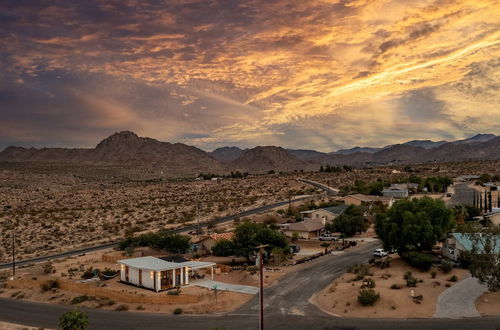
[(182, 275), (173, 277), (156, 284), (212, 271), (187, 275)]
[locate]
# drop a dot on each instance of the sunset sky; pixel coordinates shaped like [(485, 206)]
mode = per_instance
[(312, 74)]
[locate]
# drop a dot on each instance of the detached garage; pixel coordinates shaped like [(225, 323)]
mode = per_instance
[(157, 274)]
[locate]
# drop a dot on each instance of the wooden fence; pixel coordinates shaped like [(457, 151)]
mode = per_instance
[(119, 296)]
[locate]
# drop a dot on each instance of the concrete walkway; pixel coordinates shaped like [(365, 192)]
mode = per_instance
[(206, 283), (460, 300)]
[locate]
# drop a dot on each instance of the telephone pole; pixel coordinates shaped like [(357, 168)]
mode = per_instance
[(261, 286)]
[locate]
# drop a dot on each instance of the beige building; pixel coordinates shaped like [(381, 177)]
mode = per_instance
[(327, 213), (360, 199), (493, 218), (206, 242), (306, 229)]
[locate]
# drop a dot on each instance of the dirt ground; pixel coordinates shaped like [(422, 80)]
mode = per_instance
[(12, 326), (340, 298), (489, 304)]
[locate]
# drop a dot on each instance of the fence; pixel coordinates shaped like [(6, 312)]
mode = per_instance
[(87, 289)]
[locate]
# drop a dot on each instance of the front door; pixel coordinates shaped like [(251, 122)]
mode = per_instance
[(140, 277)]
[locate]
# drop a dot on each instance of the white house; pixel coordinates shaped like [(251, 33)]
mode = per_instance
[(157, 274), (457, 243), (396, 191)]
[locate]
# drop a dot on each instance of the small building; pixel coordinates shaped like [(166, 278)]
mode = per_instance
[(206, 242), (157, 274), (396, 191), (457, 243), (493, 217), (328, 213), (360, 199), (306, 229)]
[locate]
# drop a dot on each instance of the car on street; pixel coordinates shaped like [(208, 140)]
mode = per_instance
[(380, 253)]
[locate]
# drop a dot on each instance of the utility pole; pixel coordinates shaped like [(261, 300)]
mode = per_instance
[(13, 252), (261, 286), (197, 211)]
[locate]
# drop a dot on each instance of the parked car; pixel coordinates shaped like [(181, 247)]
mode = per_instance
[(328, 237), (380, 253)]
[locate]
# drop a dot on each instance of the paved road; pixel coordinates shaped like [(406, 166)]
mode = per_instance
[(462, 194), (324, 187), (460, 299), (179, 230), (286, 302)]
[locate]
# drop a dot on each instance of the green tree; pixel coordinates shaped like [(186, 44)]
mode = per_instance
[(350, 222), (414, 225), (248, 235), (485, 256), (223, 247), (74, 320)]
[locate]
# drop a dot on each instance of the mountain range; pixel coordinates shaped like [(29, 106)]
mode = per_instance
[(127, 149)]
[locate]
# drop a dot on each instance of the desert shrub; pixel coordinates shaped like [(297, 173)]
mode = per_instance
[(433, 274), (177, 311), (223, 248), (368, 283), (419, 260), (252, 270), (361, 270), (367, 297), (121, 308), (174, 292), (49, 285), (446, 267), (411, 281), (396, 286), (454, 278), (74, 320), (90, 273), (79, 299), (48, 268), (382, 262), (109, 272)]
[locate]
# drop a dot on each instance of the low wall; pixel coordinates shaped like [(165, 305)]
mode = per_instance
[(91, 290)]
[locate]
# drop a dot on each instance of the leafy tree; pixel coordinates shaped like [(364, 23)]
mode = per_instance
[(249, 235), (223, 247), (74, 320), (350, 222), (485, 257), (161, 240), (413, 225)]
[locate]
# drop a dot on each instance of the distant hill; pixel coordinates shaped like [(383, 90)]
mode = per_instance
[(129, 150), (227, 154), (123, 148), (268, 158), (356, 149), (426, 144)]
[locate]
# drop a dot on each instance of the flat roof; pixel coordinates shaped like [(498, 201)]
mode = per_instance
[(158, 265)]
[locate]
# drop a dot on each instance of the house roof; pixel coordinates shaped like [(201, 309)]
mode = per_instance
[(306, 226), (150, 263), (336, 209), (467, 243), (157, 264), (369, 198)]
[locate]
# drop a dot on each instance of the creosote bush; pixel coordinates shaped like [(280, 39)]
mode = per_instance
[(446, 267), (368, 297), (49, 285)]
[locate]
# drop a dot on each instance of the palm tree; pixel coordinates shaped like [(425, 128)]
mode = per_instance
[(461, 213)]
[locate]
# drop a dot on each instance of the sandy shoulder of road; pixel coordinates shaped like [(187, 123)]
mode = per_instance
[(12, 326), (340, 298), (489, 304)]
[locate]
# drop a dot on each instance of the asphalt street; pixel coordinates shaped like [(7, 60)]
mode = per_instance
[(286, 302)]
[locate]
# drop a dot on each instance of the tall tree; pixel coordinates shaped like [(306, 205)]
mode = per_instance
[(414, 225)]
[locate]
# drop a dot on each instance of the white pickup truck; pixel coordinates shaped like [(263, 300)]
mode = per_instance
[(328, 237)]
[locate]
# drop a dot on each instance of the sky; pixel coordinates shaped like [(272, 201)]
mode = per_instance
[(313, 74)]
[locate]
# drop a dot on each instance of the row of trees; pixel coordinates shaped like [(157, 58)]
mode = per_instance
[(349, 223), (162, 240), (437, 184)]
